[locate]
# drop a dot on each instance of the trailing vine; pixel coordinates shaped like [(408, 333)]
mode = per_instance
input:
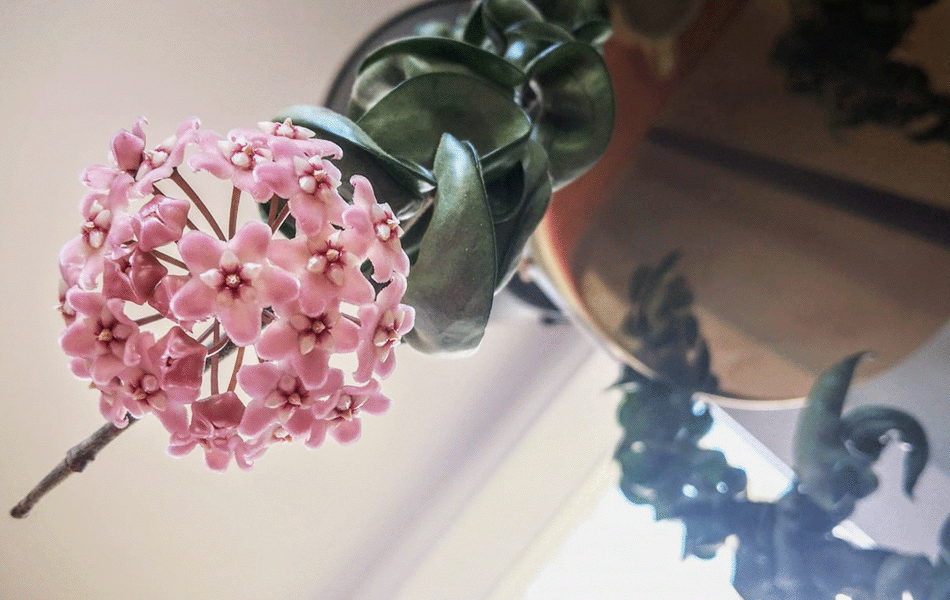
[(786, 549)]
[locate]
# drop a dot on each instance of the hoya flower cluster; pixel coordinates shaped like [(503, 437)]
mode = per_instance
[(152, 303)]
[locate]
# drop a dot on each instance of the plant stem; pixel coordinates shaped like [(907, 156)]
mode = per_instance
[(169, 259), (215, 360), (232, 218), (238, 361), (284, 213), (75, 461), (193, 196), (147, 320)]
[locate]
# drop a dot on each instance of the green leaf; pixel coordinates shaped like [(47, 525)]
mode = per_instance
[(825, 469), (396, 182), (499, 15), (527, 39), (513, 234), (446, 51), (575, 108), (451, 286), (867, 428), (474, 31), (571, 13), (595, 32), (380, 78), (409, 122)]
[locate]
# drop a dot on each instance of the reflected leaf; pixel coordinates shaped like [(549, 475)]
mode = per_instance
[(451, 286), (868, 429)]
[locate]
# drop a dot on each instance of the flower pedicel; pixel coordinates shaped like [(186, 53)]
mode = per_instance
[(296, 302)]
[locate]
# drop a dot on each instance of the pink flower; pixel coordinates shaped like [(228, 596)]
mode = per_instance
[(375, 231), (159, 163), (144, 389), (130, 274), (102, 334), (160, 221), (235, 158), (127, 147), (349, 401), (178, 359), (278, 395), (328, 270), (303, 175), (286, 129), (312, 283), (232, 281), (103, 230), (214, 423), (382, 326), (307, 339)]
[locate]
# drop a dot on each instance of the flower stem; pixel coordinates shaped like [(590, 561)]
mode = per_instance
[(352, 318), (232, 218), (215, 360), (169, 259), (147, 320), (238, 361), (193, 196), (284, 213), (75, 461)]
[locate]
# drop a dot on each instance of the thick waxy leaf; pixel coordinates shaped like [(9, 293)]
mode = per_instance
[(572, 13), (443, 50), (396, 182), (868, 429), (595, 32), (512, 235), (452, 282), (576, 108), (474, 31), (380, 78), (828, 474), (527, 39), (499, 15), (409, 122)]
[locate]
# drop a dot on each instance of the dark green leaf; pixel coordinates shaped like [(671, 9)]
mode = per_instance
[(499, 15), (409, 122), (571, 13), (595, 32), (451, 286), (474, 32), (380, 78), (868, 429), (445, 51), (527, 39), (820, 456), (398, 183), (576, 108), (513, 234)]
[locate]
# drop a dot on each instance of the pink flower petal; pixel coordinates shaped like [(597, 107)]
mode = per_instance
[(257, 418), (259, 380), (278, 341), (242, 321), (200, 251), (194, 301)]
